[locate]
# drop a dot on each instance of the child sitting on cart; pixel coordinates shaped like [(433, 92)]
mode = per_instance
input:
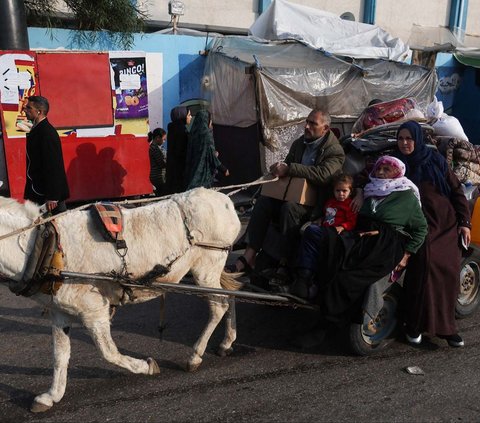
[(338, 217), (390, 227)]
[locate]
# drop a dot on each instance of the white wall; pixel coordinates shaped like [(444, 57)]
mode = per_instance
[(225, 13), (397, 17), (240, 13), (473, 18)]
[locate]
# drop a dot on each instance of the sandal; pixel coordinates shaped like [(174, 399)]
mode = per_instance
[(246, 269)]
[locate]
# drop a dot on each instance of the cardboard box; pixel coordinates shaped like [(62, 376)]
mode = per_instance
[(297, 190)]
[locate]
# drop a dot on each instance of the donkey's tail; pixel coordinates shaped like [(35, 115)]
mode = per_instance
[(229, 281)]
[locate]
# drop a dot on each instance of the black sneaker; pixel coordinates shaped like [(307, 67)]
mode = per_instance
[(454, 340)]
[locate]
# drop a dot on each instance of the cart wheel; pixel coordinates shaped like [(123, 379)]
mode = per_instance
[(364, 342), (469, 295)]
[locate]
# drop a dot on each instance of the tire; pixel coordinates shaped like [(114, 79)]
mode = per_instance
[(386, 323), (468, 298)]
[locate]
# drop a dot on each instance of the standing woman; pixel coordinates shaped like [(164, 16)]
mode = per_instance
[(202, 159), (177, 140), (432, 276), (158, 161)]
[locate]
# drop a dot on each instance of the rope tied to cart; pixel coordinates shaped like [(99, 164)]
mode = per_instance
[(45, 219)]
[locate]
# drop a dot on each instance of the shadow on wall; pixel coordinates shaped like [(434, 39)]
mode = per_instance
[(92, 175)]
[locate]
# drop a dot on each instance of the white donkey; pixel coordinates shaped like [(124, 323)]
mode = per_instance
[(155, 234)]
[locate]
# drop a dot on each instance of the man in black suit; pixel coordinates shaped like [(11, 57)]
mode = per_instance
[(46, 181)]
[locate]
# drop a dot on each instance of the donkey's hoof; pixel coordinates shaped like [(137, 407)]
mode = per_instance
[(192, 367), (221, 352), (153, 367), (38, 407)]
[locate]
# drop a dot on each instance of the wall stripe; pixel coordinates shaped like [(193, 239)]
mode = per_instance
[(262, 5), (369, 11), (458, 15)]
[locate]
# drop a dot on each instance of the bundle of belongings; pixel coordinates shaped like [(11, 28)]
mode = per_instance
[(387, 112), (462, 156), (448, 135)]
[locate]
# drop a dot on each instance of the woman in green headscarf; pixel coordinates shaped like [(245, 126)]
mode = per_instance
[(202, 161)]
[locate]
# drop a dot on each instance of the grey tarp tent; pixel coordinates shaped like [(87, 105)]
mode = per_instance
[(275, 84)]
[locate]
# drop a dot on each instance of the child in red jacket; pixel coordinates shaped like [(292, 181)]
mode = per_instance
[(338, 211), (338, 215)]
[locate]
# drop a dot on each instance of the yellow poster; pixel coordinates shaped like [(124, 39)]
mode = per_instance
[(17, 83)]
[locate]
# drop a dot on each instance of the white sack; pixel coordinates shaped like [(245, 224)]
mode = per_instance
[(449, 126)]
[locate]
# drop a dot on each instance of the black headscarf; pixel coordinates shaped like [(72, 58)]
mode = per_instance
[(424, 164), (201, 160), (177, 140), (179, 114)]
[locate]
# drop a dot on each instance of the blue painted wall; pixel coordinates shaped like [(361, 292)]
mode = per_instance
[(450, 74), (466, 107), (182, 64), (459, 90)]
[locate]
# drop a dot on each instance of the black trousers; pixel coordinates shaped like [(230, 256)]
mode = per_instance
[(289, 217)]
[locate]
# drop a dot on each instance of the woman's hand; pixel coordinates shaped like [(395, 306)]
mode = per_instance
[(464, 232), (339, 229), (357, 201), (403, 262)]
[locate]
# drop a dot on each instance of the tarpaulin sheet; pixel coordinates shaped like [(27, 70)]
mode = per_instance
[(319, 29), (278, 84)]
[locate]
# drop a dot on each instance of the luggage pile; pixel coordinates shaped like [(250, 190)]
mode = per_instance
[(462, 156)]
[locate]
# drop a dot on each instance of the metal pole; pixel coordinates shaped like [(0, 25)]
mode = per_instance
[(175, 287), (13, 25)]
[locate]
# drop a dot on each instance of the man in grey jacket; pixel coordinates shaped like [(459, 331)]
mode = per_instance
[(316, 156)]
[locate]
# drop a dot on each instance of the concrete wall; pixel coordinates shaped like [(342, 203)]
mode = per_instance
[(394, 16), (397, 17), (240, 13), (182, 64), (473, 18)]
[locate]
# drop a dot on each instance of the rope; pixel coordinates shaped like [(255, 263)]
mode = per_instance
[(42, 220)]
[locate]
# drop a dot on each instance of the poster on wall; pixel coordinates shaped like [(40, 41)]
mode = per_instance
[(130, 85), (17, 83)]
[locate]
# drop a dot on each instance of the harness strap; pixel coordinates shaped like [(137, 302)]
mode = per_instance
[(44, 265), (190, 237)]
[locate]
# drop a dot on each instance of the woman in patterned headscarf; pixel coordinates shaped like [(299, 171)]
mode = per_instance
[(202, 159), (431, 280), (177, 140), (390, 228)]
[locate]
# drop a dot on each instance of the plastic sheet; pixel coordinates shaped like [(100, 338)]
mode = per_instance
[(319, 29), (278, 83)]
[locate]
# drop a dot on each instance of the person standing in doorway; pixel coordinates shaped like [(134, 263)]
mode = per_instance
[(46, 181)]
